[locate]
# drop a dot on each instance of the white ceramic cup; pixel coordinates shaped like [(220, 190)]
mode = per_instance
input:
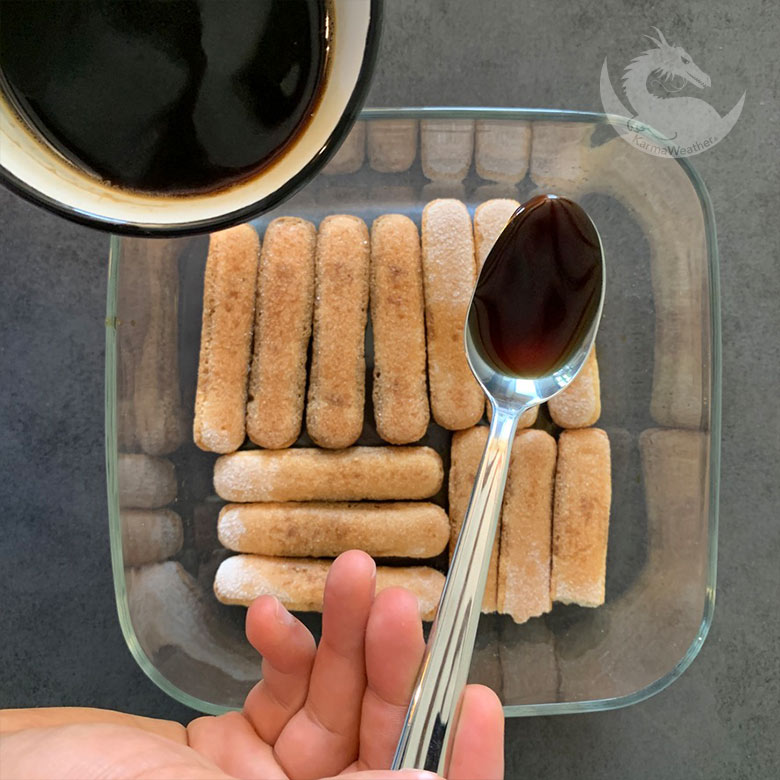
[(34, 171)]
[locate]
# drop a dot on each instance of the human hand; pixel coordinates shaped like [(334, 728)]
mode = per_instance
[(319, 712)]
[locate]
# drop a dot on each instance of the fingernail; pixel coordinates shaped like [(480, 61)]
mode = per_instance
[(372, 576), (418, 774), (284, 616)]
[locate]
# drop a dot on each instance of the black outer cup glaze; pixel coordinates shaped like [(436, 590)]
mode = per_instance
[(289, 188)]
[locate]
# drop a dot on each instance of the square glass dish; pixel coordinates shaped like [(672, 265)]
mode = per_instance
[(659, 356)]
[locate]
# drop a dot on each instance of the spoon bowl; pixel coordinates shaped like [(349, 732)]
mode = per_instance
[(532, 321), (508, 390), (537, 304)]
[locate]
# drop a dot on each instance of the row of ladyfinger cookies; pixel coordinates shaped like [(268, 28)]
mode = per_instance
[(551, 545), (500, 149), (562, 157), (150, 530), (552, 541), (260, 309), (174, 606), (310, 502), (672, 461)]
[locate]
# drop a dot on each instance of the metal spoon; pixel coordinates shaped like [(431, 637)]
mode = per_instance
[(444, 670)]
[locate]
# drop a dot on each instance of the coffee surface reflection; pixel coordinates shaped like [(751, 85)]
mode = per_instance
[(175, 98)]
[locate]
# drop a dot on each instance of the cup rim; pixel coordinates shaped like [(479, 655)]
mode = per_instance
[(172, 230)]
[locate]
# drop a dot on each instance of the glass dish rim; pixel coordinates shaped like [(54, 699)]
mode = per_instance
[(519, 710)]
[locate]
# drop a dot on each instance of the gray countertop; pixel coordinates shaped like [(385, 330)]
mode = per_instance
[(61, 640)]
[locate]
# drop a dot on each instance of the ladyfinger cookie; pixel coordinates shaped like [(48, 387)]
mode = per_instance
[(466, 454), (131, 331), (299, 583), (145, 481), (526, 528), (490, 219), (579, 405), (405, 529), (392, 144), (337, 379), (400, 392), (160, 426), (583, 493), (226, 339), (350, 155), (501, 149), (449, 275), (309, 474), (283, 314), (150, 535), (446, 148)]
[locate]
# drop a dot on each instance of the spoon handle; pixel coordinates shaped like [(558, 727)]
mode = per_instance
[(445, 665)]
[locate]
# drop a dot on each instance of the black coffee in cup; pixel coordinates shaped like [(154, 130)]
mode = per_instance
[(170, 97)]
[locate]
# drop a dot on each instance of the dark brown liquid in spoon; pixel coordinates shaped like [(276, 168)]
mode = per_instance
[(539, 289)]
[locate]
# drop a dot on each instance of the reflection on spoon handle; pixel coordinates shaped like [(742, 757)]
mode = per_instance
[(445, 665)]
